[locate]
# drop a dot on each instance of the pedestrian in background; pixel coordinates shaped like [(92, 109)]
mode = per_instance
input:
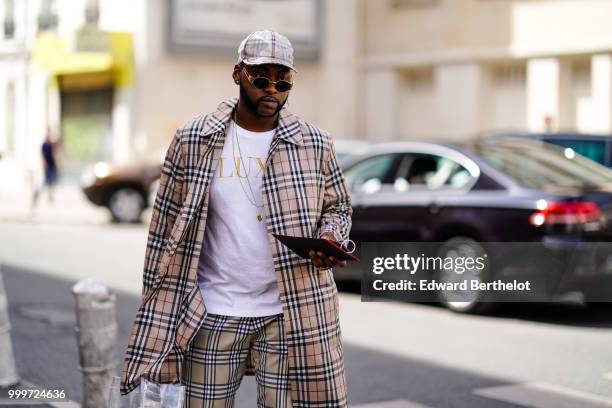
[(49, 159), (221, 296)]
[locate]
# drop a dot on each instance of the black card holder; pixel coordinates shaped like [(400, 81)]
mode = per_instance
[(302, 246)]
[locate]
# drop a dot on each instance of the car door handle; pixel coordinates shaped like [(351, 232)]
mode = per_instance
[(434, 208)]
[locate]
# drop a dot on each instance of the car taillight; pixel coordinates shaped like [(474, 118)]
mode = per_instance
[(552, 212)]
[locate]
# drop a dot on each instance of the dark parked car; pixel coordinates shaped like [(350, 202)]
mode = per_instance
[(595, 147), (490, 190), (125, 190)]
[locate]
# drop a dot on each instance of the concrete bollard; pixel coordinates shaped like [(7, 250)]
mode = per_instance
[(8, 371), (97, 340)]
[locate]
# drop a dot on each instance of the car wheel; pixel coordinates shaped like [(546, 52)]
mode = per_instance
[(474, 302), (126, 205)]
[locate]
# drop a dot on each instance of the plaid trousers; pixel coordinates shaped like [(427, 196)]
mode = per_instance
[(217, 358)]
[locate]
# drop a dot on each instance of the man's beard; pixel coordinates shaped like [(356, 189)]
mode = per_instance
[(253, 106)]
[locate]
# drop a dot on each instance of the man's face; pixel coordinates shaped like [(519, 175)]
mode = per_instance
[(267, 101)]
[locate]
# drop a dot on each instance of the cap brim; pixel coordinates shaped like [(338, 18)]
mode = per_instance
[(268, 60)]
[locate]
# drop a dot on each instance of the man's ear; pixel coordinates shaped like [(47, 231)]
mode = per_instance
[(236, 74)]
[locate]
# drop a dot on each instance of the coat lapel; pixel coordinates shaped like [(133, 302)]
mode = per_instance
[(209, 149), (203, 149), (288, 130)]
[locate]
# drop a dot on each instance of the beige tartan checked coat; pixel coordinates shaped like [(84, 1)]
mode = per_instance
[(304, 195)]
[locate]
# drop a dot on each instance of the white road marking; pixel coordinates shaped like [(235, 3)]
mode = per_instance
[(543, 395), (391, 404), (65, 404), (29, 402)]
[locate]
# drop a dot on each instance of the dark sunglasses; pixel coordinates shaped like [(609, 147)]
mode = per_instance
[(262, 82)]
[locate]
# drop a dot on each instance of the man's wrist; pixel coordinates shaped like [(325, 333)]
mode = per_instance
[(329, 236), (332, 234)]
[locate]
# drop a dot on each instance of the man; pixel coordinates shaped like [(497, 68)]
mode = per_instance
[(48, 154), (221, 296)]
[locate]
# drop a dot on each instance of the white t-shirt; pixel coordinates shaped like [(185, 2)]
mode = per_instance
[(236, 272)]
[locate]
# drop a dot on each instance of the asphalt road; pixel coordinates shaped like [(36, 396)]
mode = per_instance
[(397, 354)]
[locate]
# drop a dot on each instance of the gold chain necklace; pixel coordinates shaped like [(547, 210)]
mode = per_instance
[(237, 167)]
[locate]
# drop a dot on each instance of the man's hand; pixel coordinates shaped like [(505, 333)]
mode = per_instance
[(320, 260)]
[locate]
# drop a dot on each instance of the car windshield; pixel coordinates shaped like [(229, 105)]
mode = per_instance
[(594, 150), (539, 165)]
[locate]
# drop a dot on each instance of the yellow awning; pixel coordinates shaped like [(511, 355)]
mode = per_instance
[(51, 54), (86, 81)]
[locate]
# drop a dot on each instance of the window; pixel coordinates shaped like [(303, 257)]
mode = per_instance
[(420, 80), (413, 3), (580, 109), (430, 172), (538, 166), (506, 104), (373, 168), (92, 12), (511, 75), (418, 107), (8, 144), (594, 150), (9, 19), (47, 18)]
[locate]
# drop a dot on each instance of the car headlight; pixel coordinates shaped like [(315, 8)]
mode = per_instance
[(101, 170)]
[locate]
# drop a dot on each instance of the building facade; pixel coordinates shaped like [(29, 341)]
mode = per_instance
[(451, 69), (68, 71), (114, 79), (191, 49), (14, 56)]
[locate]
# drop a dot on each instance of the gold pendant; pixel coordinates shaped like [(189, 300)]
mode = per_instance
[(259, 218)]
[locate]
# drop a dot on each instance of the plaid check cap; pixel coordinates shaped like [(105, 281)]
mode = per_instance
[(266, 47)]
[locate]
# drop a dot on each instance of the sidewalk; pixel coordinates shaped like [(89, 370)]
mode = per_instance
[(69, 206)]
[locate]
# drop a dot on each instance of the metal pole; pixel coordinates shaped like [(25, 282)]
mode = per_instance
[(8, 371), (97, 339)]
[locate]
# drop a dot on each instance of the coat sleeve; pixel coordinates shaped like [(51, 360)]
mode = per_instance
[(337, 211), (165, 210)]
